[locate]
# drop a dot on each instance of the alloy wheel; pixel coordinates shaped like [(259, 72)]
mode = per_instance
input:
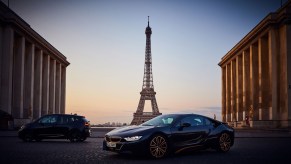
[(28, 137), (158, 147), (224, 142)]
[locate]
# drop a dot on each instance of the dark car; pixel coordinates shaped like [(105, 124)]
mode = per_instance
[(56, 126), (172, 133)]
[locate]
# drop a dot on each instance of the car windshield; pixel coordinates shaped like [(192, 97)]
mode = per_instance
[(163, 120)]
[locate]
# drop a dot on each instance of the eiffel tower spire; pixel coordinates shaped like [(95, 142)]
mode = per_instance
[(147, 92), (148, 75)]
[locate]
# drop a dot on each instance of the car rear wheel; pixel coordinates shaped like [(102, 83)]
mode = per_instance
[(158, 146), (75, 136), (224, 142), (83, 139)]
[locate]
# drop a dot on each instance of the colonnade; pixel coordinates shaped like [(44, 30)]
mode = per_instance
[(33, 78), (254, 79)]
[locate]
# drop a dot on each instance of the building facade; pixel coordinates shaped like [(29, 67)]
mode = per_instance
[(256, 75), (32, 72)]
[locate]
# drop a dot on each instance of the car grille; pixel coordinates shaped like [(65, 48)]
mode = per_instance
[(112, 139)]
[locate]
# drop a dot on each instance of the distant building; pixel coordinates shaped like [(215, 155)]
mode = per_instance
[(32, 72), (256, 75)]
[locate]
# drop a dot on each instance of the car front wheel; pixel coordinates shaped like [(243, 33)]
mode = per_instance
[(28, 137), (38, 139), (224, 142), (158, 146)]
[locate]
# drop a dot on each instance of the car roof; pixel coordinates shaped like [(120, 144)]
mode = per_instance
[(184, 114), (191, 114), (64, 115)]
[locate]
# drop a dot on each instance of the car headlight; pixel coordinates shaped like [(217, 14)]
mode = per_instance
[(133, 138)]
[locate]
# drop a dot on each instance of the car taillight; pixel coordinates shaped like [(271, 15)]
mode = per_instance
[(87, 124)]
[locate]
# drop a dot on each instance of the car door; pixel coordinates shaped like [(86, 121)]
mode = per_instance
[(62, 126), (189, 131), (46, 126)]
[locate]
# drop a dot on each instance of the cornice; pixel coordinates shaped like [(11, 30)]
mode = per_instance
[(282, 16), (8, 17)]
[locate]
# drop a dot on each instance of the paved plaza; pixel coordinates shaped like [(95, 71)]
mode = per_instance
[(262, 147)]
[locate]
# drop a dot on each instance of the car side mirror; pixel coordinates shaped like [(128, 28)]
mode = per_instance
[(214, 124), (186, 124)]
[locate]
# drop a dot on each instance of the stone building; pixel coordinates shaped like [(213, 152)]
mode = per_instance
[(32, 72), (256, 75)]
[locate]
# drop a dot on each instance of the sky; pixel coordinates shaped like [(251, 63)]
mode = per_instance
[(104, 40)]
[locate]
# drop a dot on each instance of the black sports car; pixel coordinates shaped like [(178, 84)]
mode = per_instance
[(171, 133)]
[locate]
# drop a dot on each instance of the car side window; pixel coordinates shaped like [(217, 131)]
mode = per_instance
[(192, 120), (167, 121), (72, 119), (198, 121), (207, 121), (48, 120), (76, 119), (69, 119), (61, 120)]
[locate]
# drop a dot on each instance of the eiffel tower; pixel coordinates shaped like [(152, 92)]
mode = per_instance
[(147, 92)]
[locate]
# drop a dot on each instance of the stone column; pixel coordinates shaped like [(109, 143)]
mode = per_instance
[(228, 92), (264, 78), (52, 86), (58, 88), (28, 81), (254, 78), (273, 68), (7, 70), (223, 86), (233, 90), (285, 77), (1, 52), (37, 84), (45, 84), (63, 89), (246, 82), (239, 88), (18, 77), (288, 53), (260, 79)]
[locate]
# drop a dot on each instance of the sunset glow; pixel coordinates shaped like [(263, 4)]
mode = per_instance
[(104, 41)]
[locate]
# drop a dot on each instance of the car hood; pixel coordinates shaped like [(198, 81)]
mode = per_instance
[(129, 130)]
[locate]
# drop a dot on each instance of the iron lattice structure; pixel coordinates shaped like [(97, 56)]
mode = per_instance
[(148, 92)]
